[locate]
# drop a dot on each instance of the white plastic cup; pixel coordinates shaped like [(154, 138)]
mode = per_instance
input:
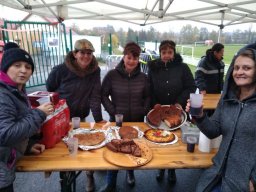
[(43, 100), (119, 119), (76, 122), (72, 146), (196, 101)]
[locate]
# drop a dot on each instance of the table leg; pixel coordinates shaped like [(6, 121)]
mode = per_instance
[(68, 178)]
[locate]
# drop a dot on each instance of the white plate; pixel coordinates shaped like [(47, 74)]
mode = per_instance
[(108, 137), (164, 126), (170, 143)]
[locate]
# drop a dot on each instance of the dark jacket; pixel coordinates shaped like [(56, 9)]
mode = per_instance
[(235, 162), (171, 82), (209, 74), (18, 122), (129, 94), (80, 88)]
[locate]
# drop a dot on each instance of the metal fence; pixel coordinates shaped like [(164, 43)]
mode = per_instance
[(46, 42)]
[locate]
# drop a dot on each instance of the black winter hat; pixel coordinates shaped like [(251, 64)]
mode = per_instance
[(10, 45), (13, 55)]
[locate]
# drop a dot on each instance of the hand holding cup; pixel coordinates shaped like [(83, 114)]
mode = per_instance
[(195, 105)]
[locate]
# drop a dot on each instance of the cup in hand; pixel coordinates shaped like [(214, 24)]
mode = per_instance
[(119, 119), (76, 122), (72, 146), (196, 101), (191, 141), (43, 100)]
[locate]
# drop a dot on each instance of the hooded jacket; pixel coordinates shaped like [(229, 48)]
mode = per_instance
[(18, 122), (235, 161), (80, 88), (129, 94), (170, 82), (209, 74)]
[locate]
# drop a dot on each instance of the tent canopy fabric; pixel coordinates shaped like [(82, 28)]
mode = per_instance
[(142, 12)]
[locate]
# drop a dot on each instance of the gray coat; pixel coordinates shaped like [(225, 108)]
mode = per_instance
[(235, 162), (18, 122)]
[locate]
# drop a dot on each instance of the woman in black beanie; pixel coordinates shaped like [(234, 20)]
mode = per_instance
[(18, 121)]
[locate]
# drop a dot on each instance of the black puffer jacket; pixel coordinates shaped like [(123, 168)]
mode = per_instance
[(171, 82), (80, 88), (209, 74), (129, 94), (18, 122)]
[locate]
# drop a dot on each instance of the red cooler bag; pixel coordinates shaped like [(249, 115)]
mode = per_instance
[(33, 97), (56, 125)]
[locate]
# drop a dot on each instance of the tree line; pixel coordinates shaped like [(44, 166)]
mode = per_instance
[(187, 35)]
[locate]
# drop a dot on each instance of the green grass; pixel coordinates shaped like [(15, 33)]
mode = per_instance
[(193, 69), (199, 51)]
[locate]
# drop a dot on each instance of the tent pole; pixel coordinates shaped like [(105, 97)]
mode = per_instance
[(221, 26)]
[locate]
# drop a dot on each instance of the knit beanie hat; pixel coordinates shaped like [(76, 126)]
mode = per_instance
[(13, 55), (10, 45)]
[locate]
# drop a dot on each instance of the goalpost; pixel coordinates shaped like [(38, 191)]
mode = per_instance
[(187, 50)]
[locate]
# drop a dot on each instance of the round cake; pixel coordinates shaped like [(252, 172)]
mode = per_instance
[(90, 139), (169, 114), (128, 132), (159, 136)]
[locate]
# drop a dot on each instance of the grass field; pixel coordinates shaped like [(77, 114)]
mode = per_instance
[(199, 51)]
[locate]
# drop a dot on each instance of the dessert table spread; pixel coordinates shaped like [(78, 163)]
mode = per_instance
[(167, 156), (163, 156)]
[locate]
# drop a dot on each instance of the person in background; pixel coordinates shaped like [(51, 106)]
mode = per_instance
[(234, 165), (209, 75), (78, 81), (125, 90), (171, 83), (18, 122)]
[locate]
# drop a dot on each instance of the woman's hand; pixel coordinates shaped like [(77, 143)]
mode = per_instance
[(47, 108), (178, 105), (102, 121), (187, 109), (252, 189), (37, 149)]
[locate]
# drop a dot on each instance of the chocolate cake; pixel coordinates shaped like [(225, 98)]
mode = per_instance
[(124, 146), (128, 132), (171, 115)]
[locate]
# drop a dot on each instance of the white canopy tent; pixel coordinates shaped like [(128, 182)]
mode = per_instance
[(141, 12)]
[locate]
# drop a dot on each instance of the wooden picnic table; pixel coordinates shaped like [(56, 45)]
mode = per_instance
[(210, 101), (168, 156), (58, 159)]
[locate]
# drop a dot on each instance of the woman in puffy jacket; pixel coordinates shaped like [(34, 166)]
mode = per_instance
[(171, 82), (18, 122), (125, 90)]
